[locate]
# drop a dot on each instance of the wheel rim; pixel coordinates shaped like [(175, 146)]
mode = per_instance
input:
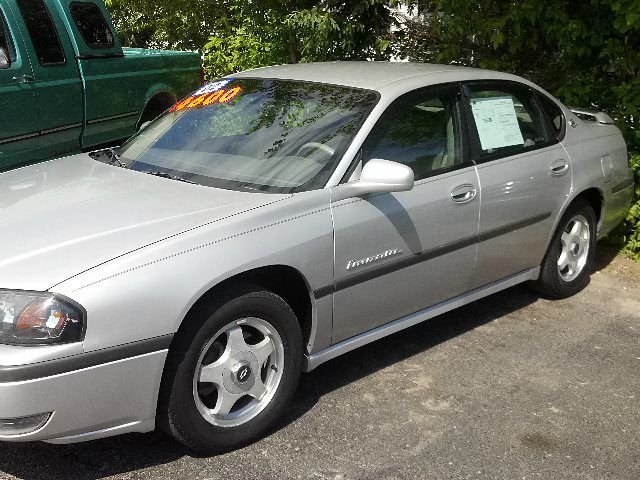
[(238, 372), (574, 248)]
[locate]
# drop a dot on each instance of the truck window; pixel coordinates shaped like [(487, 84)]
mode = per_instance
[(42, 32), (5, 39), (92, 25)]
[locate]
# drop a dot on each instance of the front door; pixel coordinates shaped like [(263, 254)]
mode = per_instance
[(18, 102), (56, 78), (525, 175), (398, 253)]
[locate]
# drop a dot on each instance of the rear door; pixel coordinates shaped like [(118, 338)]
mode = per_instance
[(56, 77), (524, 172), (398, 253), (18, 102), (111, 85)]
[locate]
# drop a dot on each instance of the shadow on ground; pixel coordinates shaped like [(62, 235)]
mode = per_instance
[(128, 453), (606, 253)]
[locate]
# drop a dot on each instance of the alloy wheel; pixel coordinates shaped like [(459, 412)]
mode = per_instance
[(238, 372), (574, 248)]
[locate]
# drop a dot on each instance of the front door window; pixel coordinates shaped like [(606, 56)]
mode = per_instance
[(421, 131)]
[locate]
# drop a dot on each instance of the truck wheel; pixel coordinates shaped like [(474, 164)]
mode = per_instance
[(567, 266), (154, 108), (231, 373)]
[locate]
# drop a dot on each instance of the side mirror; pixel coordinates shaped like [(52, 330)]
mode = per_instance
[(5, 61), (378, 176)]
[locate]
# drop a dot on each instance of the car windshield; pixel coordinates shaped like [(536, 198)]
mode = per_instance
[(267, 135)]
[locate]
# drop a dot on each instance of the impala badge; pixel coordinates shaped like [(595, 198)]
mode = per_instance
[(366, 261)]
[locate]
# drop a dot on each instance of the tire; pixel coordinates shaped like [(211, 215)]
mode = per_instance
[(564, 276), (208, 368)]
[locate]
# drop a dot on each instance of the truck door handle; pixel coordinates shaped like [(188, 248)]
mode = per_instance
[(23, 79), (464, 193), (559, 168)]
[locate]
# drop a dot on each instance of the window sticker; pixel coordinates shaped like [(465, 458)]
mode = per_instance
[(204, 100), (497, 122), (213, 87)]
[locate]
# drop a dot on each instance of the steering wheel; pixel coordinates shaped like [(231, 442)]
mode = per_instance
[(316, 146)]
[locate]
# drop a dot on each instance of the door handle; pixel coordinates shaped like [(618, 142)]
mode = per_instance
[(559, 168), (464, 193), (23, 79)]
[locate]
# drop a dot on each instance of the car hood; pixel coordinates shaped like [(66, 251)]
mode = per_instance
[(65, 216)]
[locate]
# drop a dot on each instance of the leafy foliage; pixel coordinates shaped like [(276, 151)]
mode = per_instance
[(631, 228), (338, 30), (237, 35), (176, 24), (246, 39), (633, 219)]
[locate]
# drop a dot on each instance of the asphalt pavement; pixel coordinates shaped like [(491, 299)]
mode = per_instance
[(510, 387)]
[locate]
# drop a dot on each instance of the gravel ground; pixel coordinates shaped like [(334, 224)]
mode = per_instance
[(510, 387)]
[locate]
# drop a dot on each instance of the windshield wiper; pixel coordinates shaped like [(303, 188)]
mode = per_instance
[(108, 156), (172, 177)]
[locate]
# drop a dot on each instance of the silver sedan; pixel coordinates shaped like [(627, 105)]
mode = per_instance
[(274, 220)]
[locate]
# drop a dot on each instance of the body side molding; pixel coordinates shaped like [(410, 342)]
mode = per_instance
[(623, 186), (409, 261), (313, 361)]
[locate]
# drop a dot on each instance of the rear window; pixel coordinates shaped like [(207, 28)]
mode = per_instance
[(42, 32), (92, 25)]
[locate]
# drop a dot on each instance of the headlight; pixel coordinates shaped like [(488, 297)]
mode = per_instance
[(33, 318)]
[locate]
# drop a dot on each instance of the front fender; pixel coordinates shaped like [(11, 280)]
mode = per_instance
[(148, 293)]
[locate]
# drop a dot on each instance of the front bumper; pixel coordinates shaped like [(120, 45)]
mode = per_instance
[(88, 402)]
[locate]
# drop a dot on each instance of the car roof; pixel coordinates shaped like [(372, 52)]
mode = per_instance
[(384, 77)]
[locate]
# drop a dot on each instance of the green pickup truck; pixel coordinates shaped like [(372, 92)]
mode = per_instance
[(66, 83)]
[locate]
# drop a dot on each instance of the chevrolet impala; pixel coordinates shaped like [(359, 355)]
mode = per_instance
[(274, 220)]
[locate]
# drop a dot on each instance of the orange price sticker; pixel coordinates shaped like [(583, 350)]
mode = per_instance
[(213, 98), (218, 97), (230, 95)]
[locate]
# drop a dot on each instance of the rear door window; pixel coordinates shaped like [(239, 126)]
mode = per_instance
[(554, 113), (92, 25), (42, 32), (507, 120), (6, 42)]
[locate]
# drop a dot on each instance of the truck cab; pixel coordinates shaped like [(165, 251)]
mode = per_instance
[(68, 85)]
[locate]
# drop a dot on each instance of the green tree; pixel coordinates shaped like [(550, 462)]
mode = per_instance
[(249, 35), (236, 35), (176, 24), (271, 32), (338, 30)]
